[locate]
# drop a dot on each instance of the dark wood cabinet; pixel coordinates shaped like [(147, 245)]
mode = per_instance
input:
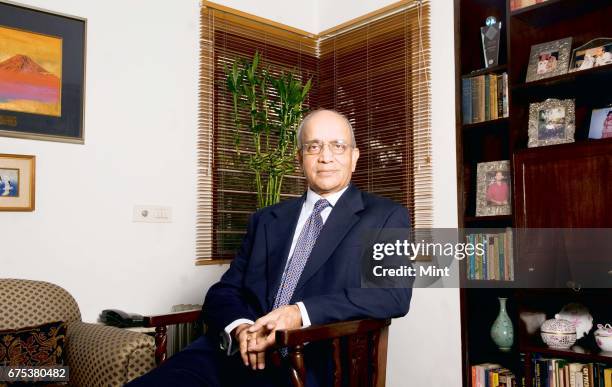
[(567, 186)]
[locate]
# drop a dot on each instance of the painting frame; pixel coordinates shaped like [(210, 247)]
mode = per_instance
[(485, 172), (17, 182), (562, 49), (18, 119), (563, 134)]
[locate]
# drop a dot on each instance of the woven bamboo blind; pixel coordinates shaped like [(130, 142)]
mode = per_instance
[(226, 189), (377, 73)]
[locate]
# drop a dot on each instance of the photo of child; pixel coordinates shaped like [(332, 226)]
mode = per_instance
[(601, 123), (547, 62)]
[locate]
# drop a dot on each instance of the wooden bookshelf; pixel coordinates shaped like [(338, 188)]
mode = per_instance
[(541, 194)]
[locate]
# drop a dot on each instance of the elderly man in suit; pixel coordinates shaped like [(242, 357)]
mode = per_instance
[(299, 264)]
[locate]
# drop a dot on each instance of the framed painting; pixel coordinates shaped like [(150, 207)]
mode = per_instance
[(42, 74), (17, 182)]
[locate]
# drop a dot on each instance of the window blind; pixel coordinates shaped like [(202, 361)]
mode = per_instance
[(374, 70), (226, 189)]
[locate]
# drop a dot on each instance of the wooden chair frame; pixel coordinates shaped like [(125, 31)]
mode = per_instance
[(365, 343)]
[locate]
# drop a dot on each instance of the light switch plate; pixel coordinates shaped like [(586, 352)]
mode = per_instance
[(152, 214)]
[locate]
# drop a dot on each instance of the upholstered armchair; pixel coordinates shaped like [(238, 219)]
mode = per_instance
[(97, 355)]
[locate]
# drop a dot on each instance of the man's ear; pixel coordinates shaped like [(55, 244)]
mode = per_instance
[(355, 158), (298, 157)]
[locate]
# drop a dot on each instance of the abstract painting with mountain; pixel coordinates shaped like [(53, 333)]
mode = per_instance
[(30, 72)]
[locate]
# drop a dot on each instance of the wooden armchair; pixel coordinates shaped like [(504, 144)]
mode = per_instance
[(359, 347)]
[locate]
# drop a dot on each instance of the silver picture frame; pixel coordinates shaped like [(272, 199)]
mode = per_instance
[(549, 59), (551, 122), (493, 182)]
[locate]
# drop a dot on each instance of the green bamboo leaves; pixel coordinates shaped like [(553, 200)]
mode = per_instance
[(273, 106)]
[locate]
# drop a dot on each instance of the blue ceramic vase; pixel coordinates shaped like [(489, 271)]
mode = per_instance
[(502, 332)]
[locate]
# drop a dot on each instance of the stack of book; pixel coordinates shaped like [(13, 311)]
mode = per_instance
[(563, 373), (493, 260), (484, 98), (492, 375)]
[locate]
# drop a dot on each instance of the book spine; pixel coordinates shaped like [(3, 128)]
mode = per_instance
[(472, 260), (493, 96), (501, 256), (505, 103), (487, 98), (466, 100), (481, 97), (500, 96), (475, 107)]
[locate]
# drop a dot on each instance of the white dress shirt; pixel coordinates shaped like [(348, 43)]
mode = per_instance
[(307, 208)]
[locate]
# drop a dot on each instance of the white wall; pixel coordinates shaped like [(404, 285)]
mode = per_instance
[(295, 13), (140, 148)]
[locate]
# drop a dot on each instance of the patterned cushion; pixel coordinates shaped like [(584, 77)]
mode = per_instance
[(36, 346), (25, 303)]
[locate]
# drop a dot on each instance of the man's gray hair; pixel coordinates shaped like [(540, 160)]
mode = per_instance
[(312, 114)]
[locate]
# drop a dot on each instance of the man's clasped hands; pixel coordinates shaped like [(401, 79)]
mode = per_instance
[(255, 339)]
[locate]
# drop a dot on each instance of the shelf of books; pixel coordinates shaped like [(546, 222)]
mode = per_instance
[(534, 144)]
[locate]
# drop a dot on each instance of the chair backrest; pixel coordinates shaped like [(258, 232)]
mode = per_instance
[(359, 351), (363, 362), (26, 303)]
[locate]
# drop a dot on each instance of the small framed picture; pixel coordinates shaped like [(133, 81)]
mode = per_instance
[(549, 59), (601, 123), (597, 52), (17, 182), (551, 122), (493, 188)]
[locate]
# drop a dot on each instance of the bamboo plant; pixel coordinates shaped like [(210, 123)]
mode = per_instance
[(271, 107)]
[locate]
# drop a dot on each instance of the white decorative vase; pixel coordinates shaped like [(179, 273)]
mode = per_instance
[(558, 333)]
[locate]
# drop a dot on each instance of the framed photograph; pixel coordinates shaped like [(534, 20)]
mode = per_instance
[(549, 59), (17, 182), (551, 122), (42, 74), (493, 191), (601, 123), (597, 52)]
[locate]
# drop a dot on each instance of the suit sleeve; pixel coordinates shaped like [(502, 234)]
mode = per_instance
[(225, 301), (358, 303)]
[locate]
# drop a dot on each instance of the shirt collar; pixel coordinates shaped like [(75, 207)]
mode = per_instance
[(312, 197)]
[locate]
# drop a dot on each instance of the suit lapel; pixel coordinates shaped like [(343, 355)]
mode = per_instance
[(338, 224), (279, 235)]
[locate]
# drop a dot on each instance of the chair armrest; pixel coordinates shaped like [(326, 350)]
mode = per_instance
[(98, 353), (161, 321), (293, 337), (187, 316)]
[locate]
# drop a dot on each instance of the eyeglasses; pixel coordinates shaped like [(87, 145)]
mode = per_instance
[(337, 147)]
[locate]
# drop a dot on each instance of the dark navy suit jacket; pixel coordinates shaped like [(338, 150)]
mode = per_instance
[(330, 285)]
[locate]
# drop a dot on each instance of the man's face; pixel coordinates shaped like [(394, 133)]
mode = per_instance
[(327, 172)]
